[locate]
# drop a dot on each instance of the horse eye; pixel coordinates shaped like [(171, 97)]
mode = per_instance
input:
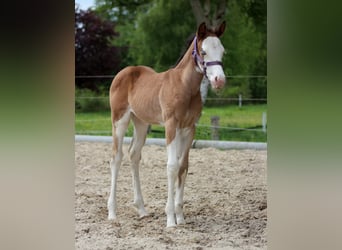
[(203, 53)]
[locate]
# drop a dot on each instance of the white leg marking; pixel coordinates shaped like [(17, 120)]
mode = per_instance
[(112, 197), (115, 163), (186, 140), (172, 172), (176, 151)]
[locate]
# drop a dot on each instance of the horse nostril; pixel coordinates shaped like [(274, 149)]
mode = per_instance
[(219, 79)]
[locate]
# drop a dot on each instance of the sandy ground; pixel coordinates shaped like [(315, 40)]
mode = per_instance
[(225, 203)]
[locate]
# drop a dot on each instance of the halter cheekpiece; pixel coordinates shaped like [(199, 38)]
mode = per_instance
[(200, 61)]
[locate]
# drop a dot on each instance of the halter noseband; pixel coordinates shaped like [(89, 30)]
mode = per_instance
[(200, 60)]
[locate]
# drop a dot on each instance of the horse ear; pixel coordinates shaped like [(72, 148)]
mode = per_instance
[(202, 30), (221, 29)]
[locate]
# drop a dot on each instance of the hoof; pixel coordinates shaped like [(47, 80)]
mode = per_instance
[(181, 223), (111, 217), (114, 222), (142, 216), (171, 225), (180, 220), (170, 229)]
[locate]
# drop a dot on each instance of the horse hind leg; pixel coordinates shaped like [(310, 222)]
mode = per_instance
[(138, 141), (118, 130)]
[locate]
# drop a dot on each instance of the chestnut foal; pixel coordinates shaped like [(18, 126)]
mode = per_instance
[(171, 98)]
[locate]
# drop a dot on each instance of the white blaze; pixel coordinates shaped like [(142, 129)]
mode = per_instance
[(213, 52)]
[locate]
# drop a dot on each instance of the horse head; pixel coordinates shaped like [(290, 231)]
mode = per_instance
[(208, 52)]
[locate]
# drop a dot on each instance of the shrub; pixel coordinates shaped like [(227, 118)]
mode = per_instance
[(89, 101)]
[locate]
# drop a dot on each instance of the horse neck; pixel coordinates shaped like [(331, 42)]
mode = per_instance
[(187, 67)]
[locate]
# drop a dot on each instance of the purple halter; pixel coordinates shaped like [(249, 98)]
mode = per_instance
[(199, 60)]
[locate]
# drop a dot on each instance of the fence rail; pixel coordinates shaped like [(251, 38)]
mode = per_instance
[(213, 131), (209, 101)]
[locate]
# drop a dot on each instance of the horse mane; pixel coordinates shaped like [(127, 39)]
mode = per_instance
[(186, 46)]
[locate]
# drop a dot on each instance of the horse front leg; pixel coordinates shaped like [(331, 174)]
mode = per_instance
[(178, 147), (187, 136), (180, 193), (173, 143)]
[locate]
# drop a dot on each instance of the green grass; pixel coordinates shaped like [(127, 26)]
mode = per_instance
[(232, 117), (247, 117), (91, 123)]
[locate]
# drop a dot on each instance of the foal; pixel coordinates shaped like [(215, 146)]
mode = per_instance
[(171, 98)]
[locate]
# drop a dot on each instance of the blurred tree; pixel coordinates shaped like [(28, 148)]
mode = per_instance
[(154, 33), (121, 11), (257, 11), (124, 14), (242, 43), (212, 12), (158, 38), (94, 53)]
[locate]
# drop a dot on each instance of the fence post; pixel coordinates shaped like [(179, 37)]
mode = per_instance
[(214, 127), (240, 101), (264, 121)]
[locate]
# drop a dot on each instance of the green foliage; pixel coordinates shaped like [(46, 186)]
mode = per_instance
[(257, 11), (153, 33), (119, 11), (242, 43), (94, 53), (159, 36), (89, 101)]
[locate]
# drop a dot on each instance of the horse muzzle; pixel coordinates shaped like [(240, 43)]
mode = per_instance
[(218, 82)]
